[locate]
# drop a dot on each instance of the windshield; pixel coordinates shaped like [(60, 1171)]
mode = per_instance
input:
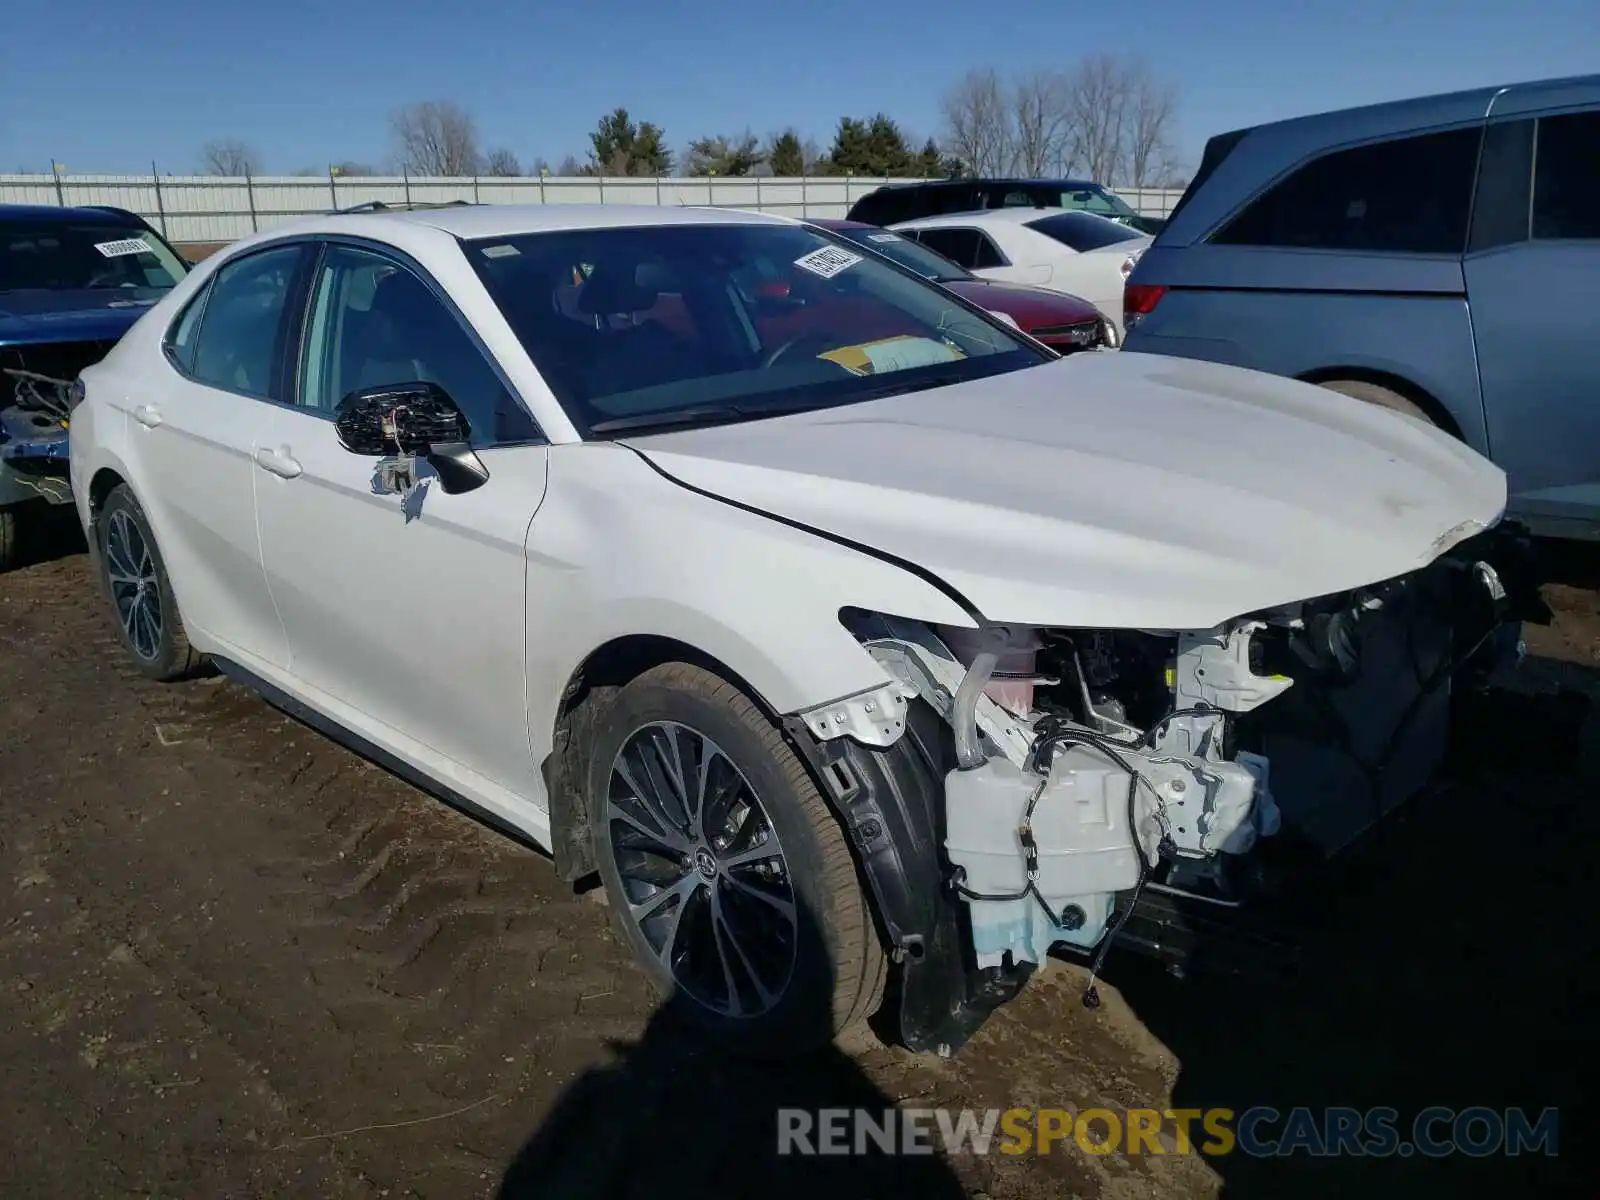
[(1083, 231), (1097, 200), (662, 324), (73, 255), (925, 262)]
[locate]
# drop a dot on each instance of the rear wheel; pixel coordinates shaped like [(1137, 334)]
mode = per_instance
[(1373, 393), (138, 590), (727, 874)]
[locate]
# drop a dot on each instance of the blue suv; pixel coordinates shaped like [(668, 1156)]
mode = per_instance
[(72, 282), (1440, 256)]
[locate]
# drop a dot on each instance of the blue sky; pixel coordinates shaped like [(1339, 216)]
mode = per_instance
[(108, 87)]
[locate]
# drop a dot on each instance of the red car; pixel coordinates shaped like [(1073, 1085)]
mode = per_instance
[(1062, 322)]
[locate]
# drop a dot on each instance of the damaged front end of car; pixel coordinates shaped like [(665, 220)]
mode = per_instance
[(37, 394), (1016, 790)]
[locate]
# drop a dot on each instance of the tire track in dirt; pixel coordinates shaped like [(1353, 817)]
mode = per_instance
[(387, 912)]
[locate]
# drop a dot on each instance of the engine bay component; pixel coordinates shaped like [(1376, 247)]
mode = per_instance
[(1041, 857), (1088, 765), (37, 391), (33, 434)]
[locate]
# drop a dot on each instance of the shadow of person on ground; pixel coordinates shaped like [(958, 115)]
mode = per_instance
[(1447, 962), (674, 1116)]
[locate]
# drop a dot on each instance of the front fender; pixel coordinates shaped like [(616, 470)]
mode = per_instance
[(618, 550)]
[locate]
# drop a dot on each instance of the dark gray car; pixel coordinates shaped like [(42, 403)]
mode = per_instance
[(1440, 256)]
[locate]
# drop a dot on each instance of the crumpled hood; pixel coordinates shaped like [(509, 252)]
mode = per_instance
[(90, 315), (1112, 489)]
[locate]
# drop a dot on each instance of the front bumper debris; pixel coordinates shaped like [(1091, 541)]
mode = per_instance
[(1078, 815)]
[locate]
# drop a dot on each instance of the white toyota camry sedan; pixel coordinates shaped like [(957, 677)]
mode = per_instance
[(845, 633)]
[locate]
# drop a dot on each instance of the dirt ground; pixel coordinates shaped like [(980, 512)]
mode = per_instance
[(236, 960)]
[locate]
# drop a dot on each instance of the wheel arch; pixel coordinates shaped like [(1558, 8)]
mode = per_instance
[(612, 664), (1398, 384), (104, 481)]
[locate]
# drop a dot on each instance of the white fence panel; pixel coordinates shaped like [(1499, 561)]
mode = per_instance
[(199, 208)]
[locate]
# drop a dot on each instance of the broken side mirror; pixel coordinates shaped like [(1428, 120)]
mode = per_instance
[(412, 419)]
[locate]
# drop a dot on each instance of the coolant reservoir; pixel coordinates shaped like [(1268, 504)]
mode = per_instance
[(1018, 656)]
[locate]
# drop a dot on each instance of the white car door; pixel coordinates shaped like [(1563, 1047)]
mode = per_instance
[(1005, 254), (406, 615), (192, 432)]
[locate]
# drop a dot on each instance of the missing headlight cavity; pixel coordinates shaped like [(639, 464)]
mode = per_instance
[(1094, 765)]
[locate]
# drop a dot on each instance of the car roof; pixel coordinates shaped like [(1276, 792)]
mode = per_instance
[(55, 212), (507, 220), (1257, 155), (1476, 101), (839, 223), (998, 216), (992, 180)]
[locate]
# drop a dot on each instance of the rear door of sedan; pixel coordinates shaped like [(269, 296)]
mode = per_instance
[(192, 437), (405, 614)]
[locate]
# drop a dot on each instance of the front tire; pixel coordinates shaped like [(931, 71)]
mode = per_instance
[(727, 874), (134, 579)]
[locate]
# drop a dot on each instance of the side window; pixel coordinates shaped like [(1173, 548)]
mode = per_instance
[(1411, 195), (1566, 177), (960, 246), (988, 254), (241, 327), (180, 342), (1505, 180), (373, 323)]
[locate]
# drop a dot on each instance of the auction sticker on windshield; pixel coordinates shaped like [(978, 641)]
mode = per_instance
[(120, 248), (827, 262)]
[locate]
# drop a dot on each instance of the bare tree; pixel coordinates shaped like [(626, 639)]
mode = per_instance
[(1152, 105), (1098, 104), (436, 137), (228, 156), (977, 125), (568, 167), (501, 162), (1041, 123)]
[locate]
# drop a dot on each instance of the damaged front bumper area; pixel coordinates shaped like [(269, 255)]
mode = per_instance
[(36, 398), (1013, 791)]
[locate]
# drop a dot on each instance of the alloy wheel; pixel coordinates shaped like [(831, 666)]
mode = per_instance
[(704, 878), (135, 586)]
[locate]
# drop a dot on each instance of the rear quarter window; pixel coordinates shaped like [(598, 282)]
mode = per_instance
[(1409, 195), (882, 208), (1083, 231), (180, 340)]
